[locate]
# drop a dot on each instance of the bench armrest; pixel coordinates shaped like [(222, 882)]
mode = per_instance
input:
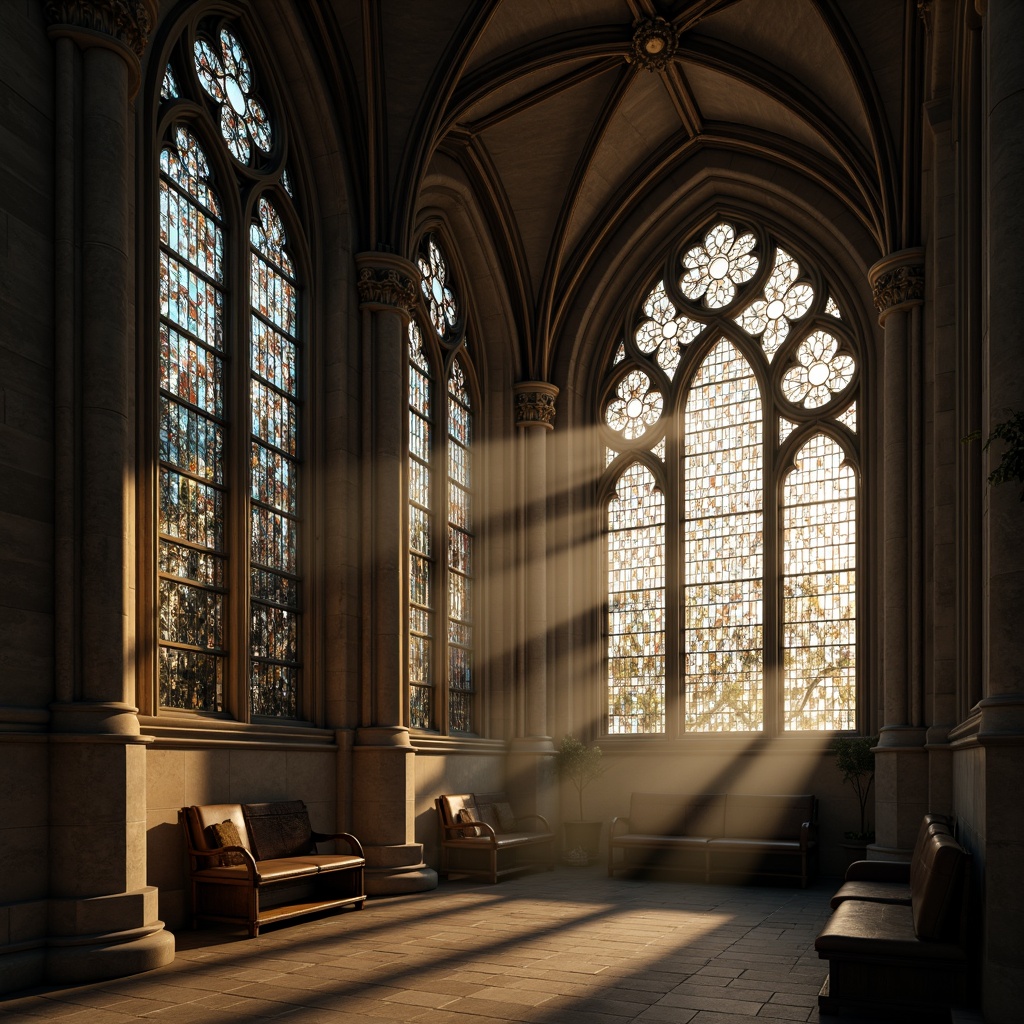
[(199, 857), (535, 817), (620, 826), (808, 832), (878, 871), (485, 830), (354, 845)]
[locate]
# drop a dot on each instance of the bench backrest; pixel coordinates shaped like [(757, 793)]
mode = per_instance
[(199, 819), (767, 817), (268, 830), (677, 814), (938, 889), (931, 824)]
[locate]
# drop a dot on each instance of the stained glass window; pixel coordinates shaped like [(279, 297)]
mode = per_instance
[(755, 355), (421, 536), (229, 510), (819, 589), (636, 604), (192, 563), (442, 543)]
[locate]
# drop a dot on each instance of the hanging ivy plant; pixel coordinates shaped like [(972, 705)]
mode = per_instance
[(1011, 464)]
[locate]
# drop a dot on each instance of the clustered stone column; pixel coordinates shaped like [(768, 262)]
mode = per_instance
[(901, 763), (1000, 731), (383, 784), (529, 766), (102, 917)]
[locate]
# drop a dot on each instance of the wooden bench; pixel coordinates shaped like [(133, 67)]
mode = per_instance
[(481, 836), (723, 835), (894, 957), (257, 864)]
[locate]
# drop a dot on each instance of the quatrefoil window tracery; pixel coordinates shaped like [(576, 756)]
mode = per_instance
[(636, 407), (715, 268), (820, 372), (783, 301), (227, 77)]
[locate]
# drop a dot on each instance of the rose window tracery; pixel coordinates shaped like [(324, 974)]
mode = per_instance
[(665, 330), (444, 310), (227, 77)]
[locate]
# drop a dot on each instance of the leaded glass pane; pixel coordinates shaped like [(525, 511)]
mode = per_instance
[(191, 511), (274, 690), (169, 85), (274, 540), (191, 372), (191, 680), (723, 551), (460, 710), (636, 604), (849, 417), (421, 706), (274, 479), (819, 590)]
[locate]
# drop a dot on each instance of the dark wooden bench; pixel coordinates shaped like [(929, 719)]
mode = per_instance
[(717, 835), (892, 956), (257, 864), (481, 836)]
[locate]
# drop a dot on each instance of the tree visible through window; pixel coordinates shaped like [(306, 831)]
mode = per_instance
[(229, 509), (730, 421), (441, 541)]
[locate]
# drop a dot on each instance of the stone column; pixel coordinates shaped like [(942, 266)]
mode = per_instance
[(529, 770), (901, 764), (1000, 731), (102, 917), (383, 784)]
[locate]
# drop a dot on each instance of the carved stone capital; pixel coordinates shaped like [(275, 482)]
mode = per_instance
[(535, 404), (386, 280), (897, 282), (655, 43), (127, 22)]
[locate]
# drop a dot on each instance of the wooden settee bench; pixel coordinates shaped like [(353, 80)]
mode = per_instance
[(481, 836), (257, 864), (717, 835), (890, 955)]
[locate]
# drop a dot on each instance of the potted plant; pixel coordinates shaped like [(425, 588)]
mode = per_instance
[(580, 763), (856, 764)]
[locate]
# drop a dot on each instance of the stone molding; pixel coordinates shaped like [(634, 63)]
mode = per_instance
[(897, 282), (535, 404), (655, 43), (386, 280), (126, 21)]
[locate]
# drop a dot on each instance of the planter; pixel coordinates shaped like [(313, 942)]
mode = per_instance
[(585, 836), (856, 849)]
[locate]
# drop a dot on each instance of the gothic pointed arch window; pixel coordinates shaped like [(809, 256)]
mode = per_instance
[(441, 539), (230, 415), (731, 487)]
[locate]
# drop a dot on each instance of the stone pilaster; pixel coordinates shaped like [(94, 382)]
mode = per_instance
[(530, 751), (901, 764), (383, 795), (102, 917)]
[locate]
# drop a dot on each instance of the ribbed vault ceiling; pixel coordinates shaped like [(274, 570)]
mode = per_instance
[(564, 130)]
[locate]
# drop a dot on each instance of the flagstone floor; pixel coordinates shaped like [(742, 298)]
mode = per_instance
[(564, 947)]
